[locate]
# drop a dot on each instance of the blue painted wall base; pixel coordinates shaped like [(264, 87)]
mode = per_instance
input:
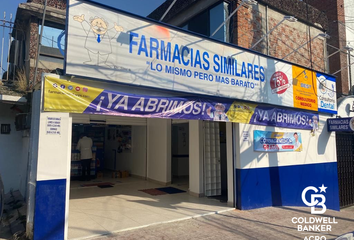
[(49, 213), (282, 186)]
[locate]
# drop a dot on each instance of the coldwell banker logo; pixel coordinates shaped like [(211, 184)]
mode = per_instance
[(314, 224), (314, 199)]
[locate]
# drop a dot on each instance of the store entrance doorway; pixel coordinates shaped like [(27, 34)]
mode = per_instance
[(180, 155), (96, 132), (215, 160), (126, 190)]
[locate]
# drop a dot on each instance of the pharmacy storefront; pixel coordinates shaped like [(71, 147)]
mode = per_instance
[(161, 105)]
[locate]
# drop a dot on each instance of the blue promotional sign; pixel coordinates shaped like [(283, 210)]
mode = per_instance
[(278, 117), (265, 141), (340, 124)]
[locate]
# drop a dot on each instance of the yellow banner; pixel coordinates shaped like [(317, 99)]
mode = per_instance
[(241, 112), (305, 89), (64, 96)]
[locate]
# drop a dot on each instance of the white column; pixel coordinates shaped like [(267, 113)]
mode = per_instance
[(159, 150), (196, 183), (53, 176), (230, 165)]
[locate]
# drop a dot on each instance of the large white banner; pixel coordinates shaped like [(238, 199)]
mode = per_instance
[(110, 45)]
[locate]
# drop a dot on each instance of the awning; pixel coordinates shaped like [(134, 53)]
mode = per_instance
[(12, 99)]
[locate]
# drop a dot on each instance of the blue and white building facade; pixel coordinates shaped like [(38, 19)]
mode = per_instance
[(137, 48)]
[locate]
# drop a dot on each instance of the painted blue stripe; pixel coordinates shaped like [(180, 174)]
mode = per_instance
[(49, 213), (327, 111), (282, 186)]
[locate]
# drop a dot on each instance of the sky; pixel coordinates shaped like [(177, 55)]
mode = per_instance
[(139, 7)]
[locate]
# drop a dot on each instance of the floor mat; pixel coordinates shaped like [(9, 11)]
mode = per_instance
[(96, 184), (170, 190), (153, 192), (221, 198), (104, 186)]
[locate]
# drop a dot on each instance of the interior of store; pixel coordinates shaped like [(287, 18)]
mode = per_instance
[(113, 153), (119, 194)]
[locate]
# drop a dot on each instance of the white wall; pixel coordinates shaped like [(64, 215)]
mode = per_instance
[(316, 149), (135, 161), (159, 150), (13, 153), (23, 168), (54, 154), (49, 152), (196, 183)]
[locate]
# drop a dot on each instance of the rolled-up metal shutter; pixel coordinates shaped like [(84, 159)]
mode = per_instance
[(135, 121), (80, 118), (108, 120), (176, 121)]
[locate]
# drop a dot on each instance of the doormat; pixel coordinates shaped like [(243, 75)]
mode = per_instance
[(104, 186), (96, 184), (153, 192), (221, 198), (170, 190)]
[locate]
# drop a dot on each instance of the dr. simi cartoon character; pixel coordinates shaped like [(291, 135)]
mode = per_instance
[(219, 113), (314, 125), (98, 40)]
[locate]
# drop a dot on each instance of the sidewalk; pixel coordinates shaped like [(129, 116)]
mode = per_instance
[(265, 223)]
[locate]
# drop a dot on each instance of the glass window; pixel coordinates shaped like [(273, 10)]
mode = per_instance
[(185, 27), (208, 21), (217, 17), (200, 24), (50, 37)]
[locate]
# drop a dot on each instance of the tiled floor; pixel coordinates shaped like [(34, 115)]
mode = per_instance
[(95, 211)]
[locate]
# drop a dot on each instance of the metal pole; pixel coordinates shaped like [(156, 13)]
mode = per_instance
[(330, 55), (342, 69), (228, 18), (350, 73), (168, 9), (8, 53), (2, 46), (300, 47), (267, 33), (267, 27), (39, 44), (15, 57)]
